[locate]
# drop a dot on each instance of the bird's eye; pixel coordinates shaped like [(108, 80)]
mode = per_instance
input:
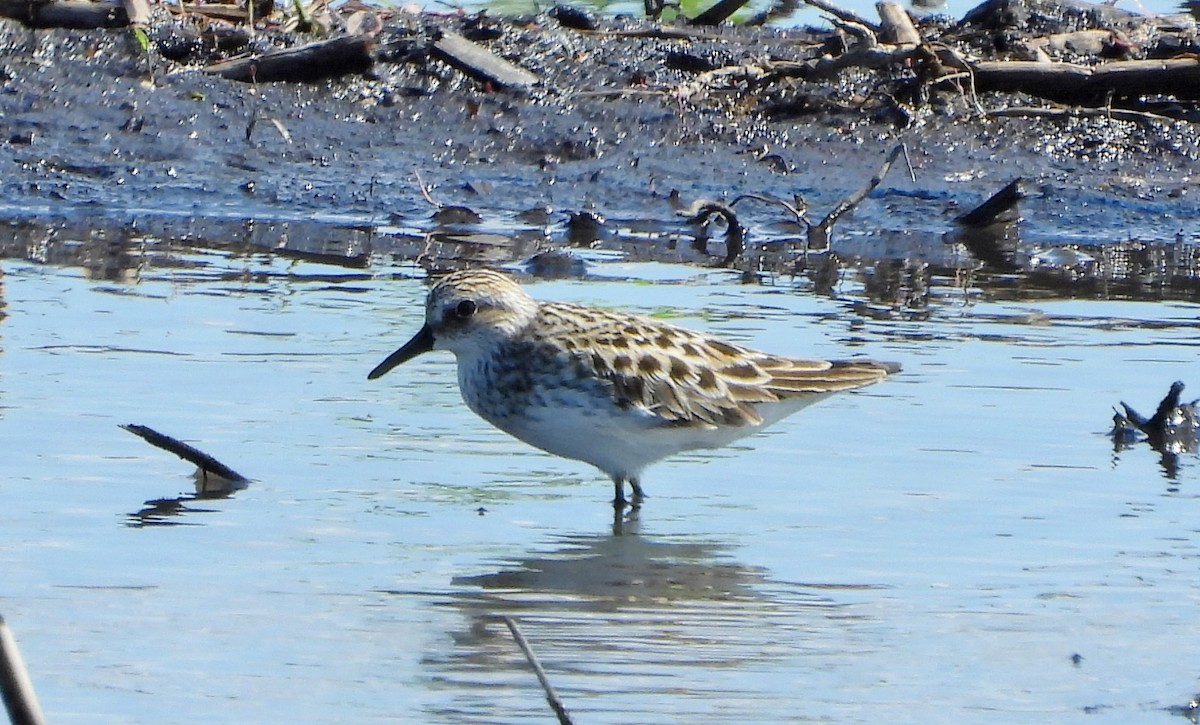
[(465, 309)]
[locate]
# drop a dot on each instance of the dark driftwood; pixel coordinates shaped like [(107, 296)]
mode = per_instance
[(735, 234), (989, 231), (1161, 424), (480, 63), (203, 461), (1119, 114), (1065, 82), (66, 14), (999, 207), (1076, 83), (312, 62), (15, 685)]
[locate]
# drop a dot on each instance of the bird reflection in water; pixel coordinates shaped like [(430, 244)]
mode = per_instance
[(599, 607), (625, 568)]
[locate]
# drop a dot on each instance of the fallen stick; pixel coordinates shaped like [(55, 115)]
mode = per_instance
[(735, 233), (19, 697), (74, 14), (480, 63), (206, 463), (560, 710), (1092, 85), (312, 62), (213, 11), (1168, 418), (138, 12), (999, 207), (819, 234), (662, 33), (1119, 114)]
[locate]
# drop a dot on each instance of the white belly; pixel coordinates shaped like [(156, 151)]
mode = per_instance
[(619, 442)]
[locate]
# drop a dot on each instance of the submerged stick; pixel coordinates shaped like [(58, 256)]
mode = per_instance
[(999, 207), (819, 234), (556, 704), (15, 685), (735, 234)]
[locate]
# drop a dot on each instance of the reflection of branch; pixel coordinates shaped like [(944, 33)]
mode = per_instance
[(560, 710)]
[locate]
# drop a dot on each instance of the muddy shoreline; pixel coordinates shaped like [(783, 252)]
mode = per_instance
[(100, 135)]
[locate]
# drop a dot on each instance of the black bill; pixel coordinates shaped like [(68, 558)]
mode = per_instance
[(421, 342)]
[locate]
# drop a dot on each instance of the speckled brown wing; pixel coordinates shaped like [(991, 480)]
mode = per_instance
[(688, 378)]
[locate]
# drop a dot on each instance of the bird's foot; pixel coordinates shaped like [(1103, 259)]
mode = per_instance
[(635, 501), (638, 494)]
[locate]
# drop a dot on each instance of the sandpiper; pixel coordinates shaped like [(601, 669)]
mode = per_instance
[(616, 390)]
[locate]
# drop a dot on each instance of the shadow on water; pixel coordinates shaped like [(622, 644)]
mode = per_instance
[(622, 611)]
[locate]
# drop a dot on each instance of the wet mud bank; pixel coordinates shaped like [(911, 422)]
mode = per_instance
[(452, 140)]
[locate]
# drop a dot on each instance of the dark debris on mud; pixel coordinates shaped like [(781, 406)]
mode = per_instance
[(562, 131)]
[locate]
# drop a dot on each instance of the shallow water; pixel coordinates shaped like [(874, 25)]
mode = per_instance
[(962, 543), (803, 15)]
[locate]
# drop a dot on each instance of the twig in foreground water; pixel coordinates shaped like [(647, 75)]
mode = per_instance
[(15, 685), (551, 696)]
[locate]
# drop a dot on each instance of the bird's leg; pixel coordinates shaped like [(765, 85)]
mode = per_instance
[(638, 494), (619, 490)]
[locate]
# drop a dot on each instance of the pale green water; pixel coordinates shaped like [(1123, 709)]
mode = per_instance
[(934, 549)]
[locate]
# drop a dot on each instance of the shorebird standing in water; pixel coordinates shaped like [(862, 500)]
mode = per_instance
[(615, 390)]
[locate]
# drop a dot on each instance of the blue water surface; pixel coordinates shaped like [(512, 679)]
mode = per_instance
[(962, 543)]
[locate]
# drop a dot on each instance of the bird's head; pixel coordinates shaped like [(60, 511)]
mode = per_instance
[(467, 312)]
